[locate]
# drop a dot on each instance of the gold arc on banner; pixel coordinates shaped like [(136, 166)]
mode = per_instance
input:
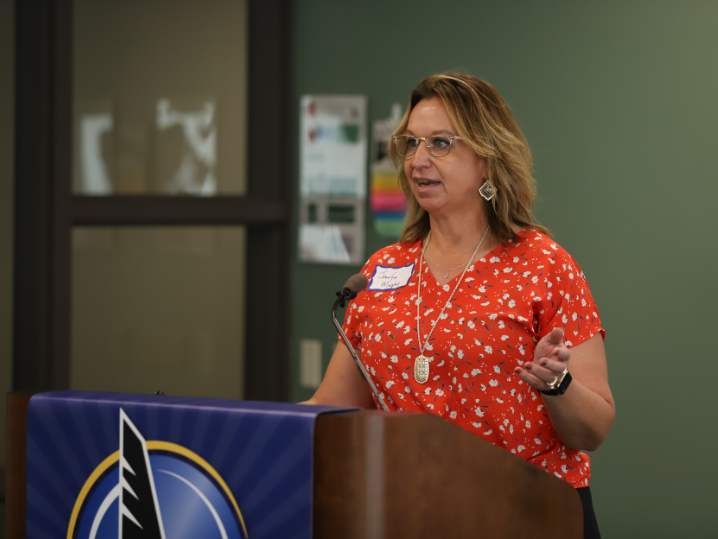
[(152, 445)]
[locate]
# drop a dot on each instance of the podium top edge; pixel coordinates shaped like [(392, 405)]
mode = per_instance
[(171, 401)]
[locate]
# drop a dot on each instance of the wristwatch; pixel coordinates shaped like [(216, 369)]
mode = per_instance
[(562, 387)]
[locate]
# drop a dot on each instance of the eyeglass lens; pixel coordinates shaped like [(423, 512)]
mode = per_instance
[(438, 145)]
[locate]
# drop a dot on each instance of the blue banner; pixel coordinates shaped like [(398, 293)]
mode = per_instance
[(109, 465)]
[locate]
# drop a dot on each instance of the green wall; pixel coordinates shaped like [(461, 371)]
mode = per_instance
[(620, 104)]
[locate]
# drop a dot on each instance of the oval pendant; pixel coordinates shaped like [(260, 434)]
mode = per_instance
[(421, 369)]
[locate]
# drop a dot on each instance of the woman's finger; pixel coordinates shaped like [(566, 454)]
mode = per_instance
[(556, 336), (530, 379), (562, 353), (547, 376), (553, 365)]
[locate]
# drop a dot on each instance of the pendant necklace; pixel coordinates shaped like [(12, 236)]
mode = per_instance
[(446, 270), (421, 363)]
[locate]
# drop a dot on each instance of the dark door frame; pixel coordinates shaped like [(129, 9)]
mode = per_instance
[(46, 210)]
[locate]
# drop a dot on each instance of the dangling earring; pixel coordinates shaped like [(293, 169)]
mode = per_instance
[(487, 190)]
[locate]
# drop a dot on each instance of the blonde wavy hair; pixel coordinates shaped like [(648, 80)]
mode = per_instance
[(483, 120)]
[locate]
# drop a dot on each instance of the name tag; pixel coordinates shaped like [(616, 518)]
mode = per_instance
[(388, 278)]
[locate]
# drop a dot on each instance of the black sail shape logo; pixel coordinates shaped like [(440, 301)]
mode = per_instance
[(140, 516)]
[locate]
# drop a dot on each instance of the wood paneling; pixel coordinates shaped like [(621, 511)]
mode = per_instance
[(396, 475)]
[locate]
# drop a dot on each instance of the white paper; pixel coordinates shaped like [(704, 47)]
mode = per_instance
[(333, 146), (390, 278), (333, 174)]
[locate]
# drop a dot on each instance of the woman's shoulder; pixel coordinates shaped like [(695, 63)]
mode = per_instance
[(534, 243), (538, 248)]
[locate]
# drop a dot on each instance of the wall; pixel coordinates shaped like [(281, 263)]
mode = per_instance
[(7, 37), (618, 101)]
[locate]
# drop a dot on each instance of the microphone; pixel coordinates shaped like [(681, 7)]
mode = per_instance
[(354, 285)]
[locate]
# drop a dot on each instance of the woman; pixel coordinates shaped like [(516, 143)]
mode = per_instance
[(509, 343)]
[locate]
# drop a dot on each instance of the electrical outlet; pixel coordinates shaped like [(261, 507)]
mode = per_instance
[(310, 363)]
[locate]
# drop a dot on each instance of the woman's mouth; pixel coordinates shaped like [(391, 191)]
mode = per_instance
[(423, 182)]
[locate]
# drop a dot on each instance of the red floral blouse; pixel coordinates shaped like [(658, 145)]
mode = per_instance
[(507, 301)]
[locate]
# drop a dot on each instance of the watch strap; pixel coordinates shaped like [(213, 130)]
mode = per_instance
[(562, 387)]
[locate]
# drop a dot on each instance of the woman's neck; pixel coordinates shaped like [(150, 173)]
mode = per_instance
[(453, 238)]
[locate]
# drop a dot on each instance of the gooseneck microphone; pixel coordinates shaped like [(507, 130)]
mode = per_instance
[(354, 285)]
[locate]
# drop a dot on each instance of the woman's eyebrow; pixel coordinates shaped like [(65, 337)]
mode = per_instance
[(436, 132)]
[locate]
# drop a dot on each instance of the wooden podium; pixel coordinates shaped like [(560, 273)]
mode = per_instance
[(387, 475)]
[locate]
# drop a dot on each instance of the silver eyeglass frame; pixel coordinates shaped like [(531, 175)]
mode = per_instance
[(451, 139)]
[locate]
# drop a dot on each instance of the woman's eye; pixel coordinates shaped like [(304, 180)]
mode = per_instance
[(412, 142), (441, 142)]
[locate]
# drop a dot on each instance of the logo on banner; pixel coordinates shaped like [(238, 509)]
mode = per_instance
[(154, 489)]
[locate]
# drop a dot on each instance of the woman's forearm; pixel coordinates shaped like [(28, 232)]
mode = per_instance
[(581, 417)]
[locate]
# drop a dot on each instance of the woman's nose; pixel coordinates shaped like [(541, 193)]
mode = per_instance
[(422, 157)]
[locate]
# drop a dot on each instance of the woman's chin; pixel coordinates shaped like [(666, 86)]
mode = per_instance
[(430, 205)]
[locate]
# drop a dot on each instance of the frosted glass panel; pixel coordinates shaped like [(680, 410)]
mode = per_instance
[(160, 97), (159, 308)]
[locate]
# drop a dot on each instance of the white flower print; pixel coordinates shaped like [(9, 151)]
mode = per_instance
[(491, 325)]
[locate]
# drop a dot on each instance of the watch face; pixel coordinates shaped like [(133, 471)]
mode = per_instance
[(564, 383)]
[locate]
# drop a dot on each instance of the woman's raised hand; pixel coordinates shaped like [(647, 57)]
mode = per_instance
[(550, 361)]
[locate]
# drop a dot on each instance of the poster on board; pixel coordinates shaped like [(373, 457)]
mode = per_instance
[(332, 153), (387, 200)]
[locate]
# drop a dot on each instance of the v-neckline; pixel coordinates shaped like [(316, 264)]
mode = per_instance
[(450, 282)]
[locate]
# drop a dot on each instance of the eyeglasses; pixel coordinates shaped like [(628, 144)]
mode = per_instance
[(438, 145)]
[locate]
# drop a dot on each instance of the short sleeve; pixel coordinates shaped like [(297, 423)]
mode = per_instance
[(565, 301)]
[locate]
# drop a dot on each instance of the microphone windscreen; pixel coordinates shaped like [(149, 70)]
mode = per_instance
[(356, 283)]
